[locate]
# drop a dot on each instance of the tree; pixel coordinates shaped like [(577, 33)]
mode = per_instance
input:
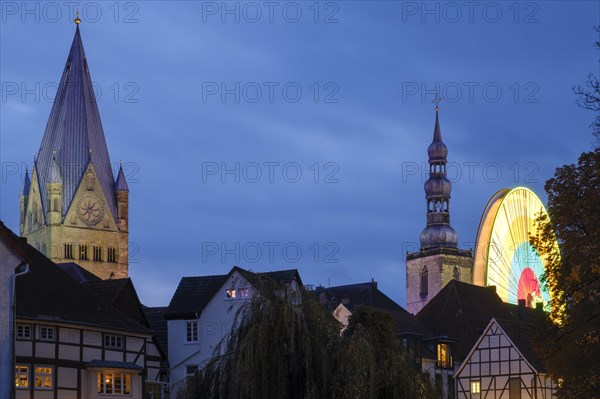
[(570, 343), (283, 347), (589, 96)]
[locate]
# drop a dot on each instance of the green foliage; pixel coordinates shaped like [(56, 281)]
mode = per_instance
[(571, 345), (282, 347)]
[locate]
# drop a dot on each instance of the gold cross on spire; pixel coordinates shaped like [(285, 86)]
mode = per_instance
[(77, 20), (437, 101)]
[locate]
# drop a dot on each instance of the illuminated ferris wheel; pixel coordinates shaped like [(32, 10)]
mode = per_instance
[(503, 255)]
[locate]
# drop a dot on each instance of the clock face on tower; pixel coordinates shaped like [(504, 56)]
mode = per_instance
[(90, 210)]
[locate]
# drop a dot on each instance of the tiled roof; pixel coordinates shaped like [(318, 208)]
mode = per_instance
[(77, 272), (47, 292), (158, 324), (461, 311), (108, 289), (194, 293), (521, 333), (74, 133), (367, 294)]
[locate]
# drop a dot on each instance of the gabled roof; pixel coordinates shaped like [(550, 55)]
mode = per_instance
[(367, 294), (461, 311), (194, 293), (48, 293), (519, 334), (74, 134)]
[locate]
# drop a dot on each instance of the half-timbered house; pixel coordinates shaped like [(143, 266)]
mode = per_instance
[(502, 365), (72, 340)]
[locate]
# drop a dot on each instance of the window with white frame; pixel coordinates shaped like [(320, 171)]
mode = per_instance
[(231, 293), (243, 292), (47, 333), (43, 377), (475, 386), (113, 341), (110, 383), (191, 331), (23, 331), (21, 376)]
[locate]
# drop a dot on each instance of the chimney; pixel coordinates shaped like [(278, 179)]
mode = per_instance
[(539, 306), (373, 282), (521, 309)]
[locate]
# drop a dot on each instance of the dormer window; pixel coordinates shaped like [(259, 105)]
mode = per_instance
[(444, 356)]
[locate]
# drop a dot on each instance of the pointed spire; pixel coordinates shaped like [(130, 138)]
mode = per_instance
[(438, 233), (26, 183), (121, 182), (74, 130)]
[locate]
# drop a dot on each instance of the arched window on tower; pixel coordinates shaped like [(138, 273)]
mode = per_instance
[(456, 273), (424, 286)]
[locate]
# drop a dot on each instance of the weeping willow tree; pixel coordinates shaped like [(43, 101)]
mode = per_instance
[(284, 346)]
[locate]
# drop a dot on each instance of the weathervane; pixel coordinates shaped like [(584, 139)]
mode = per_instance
[(437, 101)]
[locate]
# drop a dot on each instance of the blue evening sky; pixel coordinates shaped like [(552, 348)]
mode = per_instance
[(302, 126)]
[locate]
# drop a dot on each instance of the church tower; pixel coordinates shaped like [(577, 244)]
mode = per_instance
[(439, 260), (72, 209)]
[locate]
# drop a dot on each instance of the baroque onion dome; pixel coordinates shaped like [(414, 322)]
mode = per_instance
[(438, 233)]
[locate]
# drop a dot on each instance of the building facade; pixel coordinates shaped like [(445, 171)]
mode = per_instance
[(202, 312), (501, 365), (74, 340), (72, 208), (439, 259)]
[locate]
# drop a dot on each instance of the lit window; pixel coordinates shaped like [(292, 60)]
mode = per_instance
[(43, 377), (114, 383), (21, 376), (191, 327), (444, 358), (47, 333), (190, 371), (69, 251), (23, 331), (231, 293), (475, 387), (113, 341), (243, 292)]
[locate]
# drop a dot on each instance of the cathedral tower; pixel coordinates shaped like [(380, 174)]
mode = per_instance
[(439, 260), (72, 209)]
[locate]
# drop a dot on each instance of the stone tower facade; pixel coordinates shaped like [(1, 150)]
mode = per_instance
[(72, 209), (439, 259)]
